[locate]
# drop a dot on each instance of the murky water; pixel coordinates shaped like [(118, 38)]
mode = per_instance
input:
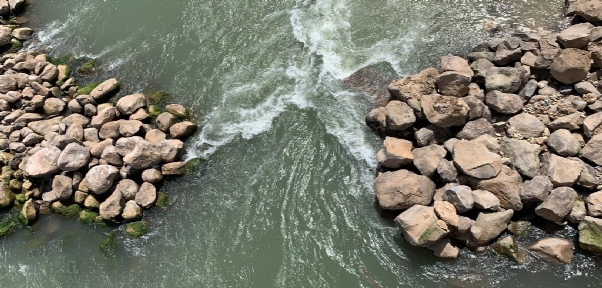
[(283, 196)]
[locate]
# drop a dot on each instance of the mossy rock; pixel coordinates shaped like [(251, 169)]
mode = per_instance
[(15, 185), (88, 88), (7, 227), (519, 228), (108, 245), (22, 220), (20, 198), (15, 46), (162, 200), (62, 59), (590, 235), (158, 97), (191, 164), (100, 222), (7, 198), (65, 211), (507, 247), (88, 67), (154, 111), (136, 229), (87, 217)]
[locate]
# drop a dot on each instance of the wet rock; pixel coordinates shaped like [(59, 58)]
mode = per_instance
[(556, 248), (536, 190), (100, 178), (426, 159), (173, 169), (182, 129), (527, 125), (571, 66), (42, 163), (490, 225), (557, 205), (445, 249), (590, 233), (395, 153), (504, 103), (420, 226), (399, 116), (445, 111), (105, 89), (485, 200), (73, 157), (402, 189), (460, 196), (29, 211), (524, 156), (563, 143), (475, 160), (519, 228), (509, 248)]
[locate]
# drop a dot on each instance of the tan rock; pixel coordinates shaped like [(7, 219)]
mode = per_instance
[(403, 189)]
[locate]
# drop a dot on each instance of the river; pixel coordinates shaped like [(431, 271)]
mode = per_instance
[(282, 196)]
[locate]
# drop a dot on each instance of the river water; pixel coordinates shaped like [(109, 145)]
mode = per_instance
[(282, 197)]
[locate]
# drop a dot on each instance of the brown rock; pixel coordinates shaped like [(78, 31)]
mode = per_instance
[(557, 205), (420, 226), (402, 189), (556, 248), (395, 153), (475, 160), (571, 66)]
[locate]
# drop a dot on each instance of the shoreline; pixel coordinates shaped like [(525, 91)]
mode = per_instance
[(499, 141)]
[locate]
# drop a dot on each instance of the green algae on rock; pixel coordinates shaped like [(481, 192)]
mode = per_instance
[(7, 227), (88, 88), (65, 211), (87, 217), (136, 229), (162, 200), (108, 245), (88, 67)]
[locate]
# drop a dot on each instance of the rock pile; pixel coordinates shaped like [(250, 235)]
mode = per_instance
[(69, 151), (513, 132)]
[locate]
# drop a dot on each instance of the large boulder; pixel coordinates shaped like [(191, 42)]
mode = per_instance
[(105, 89), (571, 66), (557, 205), (445, 111), (399, 116), (129, 104), (420, 226), (563, 171), (426, 159), (403, 189), (100, 178), (576, 36), (505, 186), (556, 248), (590, 233), (590, 10), (42, 163), (411, 89), (73, 157), (395, 153), (475, 160), (490, 225), (453, 83), (524, 156), (112, 206), (143, 156), (504, 79), (182, 129)]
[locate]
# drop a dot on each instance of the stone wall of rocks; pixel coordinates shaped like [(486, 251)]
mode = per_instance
[(512, 133)]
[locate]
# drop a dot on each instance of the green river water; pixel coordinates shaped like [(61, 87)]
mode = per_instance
[(282, 197)]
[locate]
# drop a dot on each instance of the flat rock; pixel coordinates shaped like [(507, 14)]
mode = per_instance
[(524, 156), (395, 153), (557, 205), (426, 159), (420, 226), (527, 125), (490, 225), (503, 79), (403, 189), (42, 163), (475, 160), (563, 171), (485, 200)]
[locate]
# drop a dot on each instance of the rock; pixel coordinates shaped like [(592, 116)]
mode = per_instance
[(147, 195), (490, 225), (136, 229), (112, 207), (519, 228), (143, 156), (563, 143), (104, 116), (411, 89), (505, 57), (576, 36), (527, 125), (524, 156), (578, 212), (557, 205), (594, 204), (165, 120), (536, 190), (446, 212), (62, 186), (91, 202), (29, 211), (481, 67), (129, 104), (399, 116), (76, 132), (182, 129), (44, 126), (395, 153), (590, 233), (485, 200), (110, 130), (402, 189), (177, 110), (377, 120), (571, 66), (478, 109), (129, 128), (563, 171), (131, 211), (589, 10), (99, 147), (556, 248), (447, 171), (155, 136), (592, 151), (503, 79), (431, 134), (445, 111), (42, 163), (140, 115), (5, 36), (173, 169), (505, 186), (588, 177), (504, 103), (476, 128), (571, 122), (79, 197), (445, 249), (110, 156), (73, 157), (585, 87), (50, 73), (16, 6), (420, 226), (152, 176), (509, 248), (456, 64), (489, 141), (460, 196), (105, 89), (53, 106), (100, 178), (126, 145), (475, 160), (453, 83), (128, 189), (591, 124), (426, 159)]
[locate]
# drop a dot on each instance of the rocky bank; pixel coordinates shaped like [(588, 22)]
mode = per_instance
[(80, 151), (478, 149)]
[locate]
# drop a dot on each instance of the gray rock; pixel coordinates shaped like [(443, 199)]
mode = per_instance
[(42, 163), (557, 205), (589, 234), (505, 186), (591, 123), (447, 171), (586, 87), (453, 83), (143, 156), (128, 189), (576, 36), (73, 157), (475, 160), (504, 56), (431, 134), (112, 206), (578, 212), (411, 89), (527, 125), (485, 200), (44, 126), (147, 195), (426, 159), (420, 226), (129, 104), (100, 179), (460, 196), (62, 186), (536, 190), (524, 156), (399, 116), (503, 79), (402, 189), (563, 143), (570, 122), (592, 151), (476, 128), (504, 103), (490, 225)]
